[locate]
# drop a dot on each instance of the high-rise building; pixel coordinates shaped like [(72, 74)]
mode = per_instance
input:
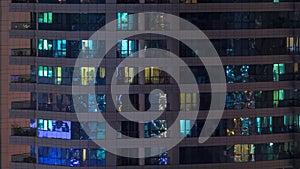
[(6, 70), (257, 41)]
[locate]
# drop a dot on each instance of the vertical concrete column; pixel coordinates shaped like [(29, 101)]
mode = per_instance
[(174, 155), (141, 21), (111, 159)]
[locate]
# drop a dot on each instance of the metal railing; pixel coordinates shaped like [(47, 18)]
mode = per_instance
[(23, 131), (23, 26), (23, 1), (21, 79), (23, 105), (23, 52), (23, 158)]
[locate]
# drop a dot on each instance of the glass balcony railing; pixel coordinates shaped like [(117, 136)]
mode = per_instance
[(21, 79), (21, 131), (23, 26), (158, 1), (56, 107), (23, 1), (73, 1), (23, 105), (23, 52), (23, 158)]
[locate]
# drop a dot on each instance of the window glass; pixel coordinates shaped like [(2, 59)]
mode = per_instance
[(156, 128), (125, 21), (188, 101), (54, 129), (244, 152), (185, 128), (88, 75), (45, 17), (127, 48)]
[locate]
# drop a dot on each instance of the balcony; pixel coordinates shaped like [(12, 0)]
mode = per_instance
[(21, 131), (23, 26), (21, 79), (27, 105), (158, 1), (23, 1), (23, 158), (23, 52)]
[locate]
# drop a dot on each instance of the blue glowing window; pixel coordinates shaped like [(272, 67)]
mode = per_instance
[(237, 73), (71, 157), (127, 48), (54, 129)]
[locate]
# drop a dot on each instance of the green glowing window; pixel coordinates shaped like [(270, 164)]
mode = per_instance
[(45, 44), (45, 71), (278, 95), (276, 1), (278, 69), (45, 17)]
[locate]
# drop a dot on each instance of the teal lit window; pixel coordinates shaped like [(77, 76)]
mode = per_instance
[(127, 48), (60, 48), (258, 124), (185, 128), (45, 44), (276, 1), (45, 17), (125, 21), (45, 71)]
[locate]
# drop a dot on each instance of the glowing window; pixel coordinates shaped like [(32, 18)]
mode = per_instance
[(54, 129), (126, 75), (58, 74), (45, 71), (278, 69), (45, 44), (45, 17), (102, 72), (185, 128), (156, 128), (125, 21), (292, 44), (278, 95), (188, 101), (153, 75), (60, 48), (88, 75), (126, 48), (244, 152)]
